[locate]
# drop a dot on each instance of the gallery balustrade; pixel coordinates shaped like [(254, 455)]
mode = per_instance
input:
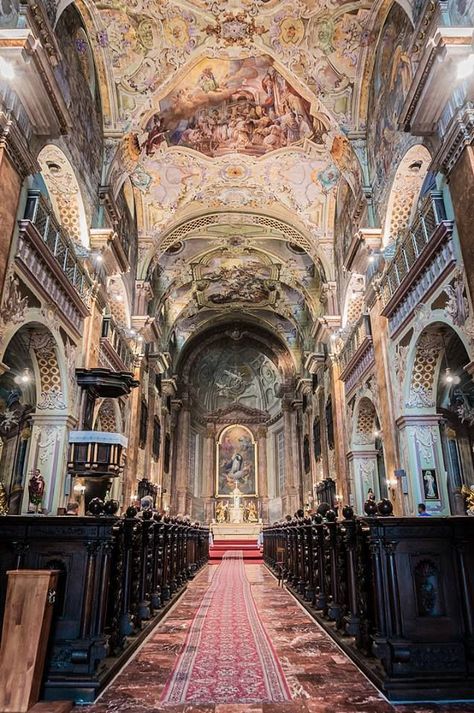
[(55, 237), (118, 577), (395, 593), (424, 256), (123, 357)]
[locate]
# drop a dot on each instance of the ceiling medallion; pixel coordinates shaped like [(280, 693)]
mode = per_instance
[(235, 29)]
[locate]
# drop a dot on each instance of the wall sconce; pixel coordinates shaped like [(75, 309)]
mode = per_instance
[(79, 489), (392, 486)]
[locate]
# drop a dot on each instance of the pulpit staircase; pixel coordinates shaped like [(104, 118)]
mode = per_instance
[(250, 550)]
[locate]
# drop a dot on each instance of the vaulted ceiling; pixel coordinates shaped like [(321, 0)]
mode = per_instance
[(236, 120)]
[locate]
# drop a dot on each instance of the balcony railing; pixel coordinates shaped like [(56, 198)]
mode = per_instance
[(113, 336), (413, 243), (360, 336), (41, 215)]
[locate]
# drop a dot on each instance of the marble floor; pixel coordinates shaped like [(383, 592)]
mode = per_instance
[(322, 678)]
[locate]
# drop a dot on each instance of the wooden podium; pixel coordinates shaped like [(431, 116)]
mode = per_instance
[(28, 612)]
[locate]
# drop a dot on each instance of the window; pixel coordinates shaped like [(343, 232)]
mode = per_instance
[(280, 447), (156, 438), (329, 424), (317, 439), (143, 425)]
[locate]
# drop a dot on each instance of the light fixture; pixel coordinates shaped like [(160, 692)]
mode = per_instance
[(79, 489), (6, 69), (465, 67), (392, 486), (99, 257), (371, 257), (377, 433), (23, 378)]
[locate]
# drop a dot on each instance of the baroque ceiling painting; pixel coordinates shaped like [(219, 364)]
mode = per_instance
[(242, 105), (237, 122)]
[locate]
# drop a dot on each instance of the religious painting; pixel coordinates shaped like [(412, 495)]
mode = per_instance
[(222, 106), (236, 462), (430, 484), (235, 280), (234, 373), (390, 84)]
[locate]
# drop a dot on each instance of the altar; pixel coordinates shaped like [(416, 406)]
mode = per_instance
[(235, 531)]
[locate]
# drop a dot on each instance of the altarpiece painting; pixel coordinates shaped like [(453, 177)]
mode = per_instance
[(236, 462)]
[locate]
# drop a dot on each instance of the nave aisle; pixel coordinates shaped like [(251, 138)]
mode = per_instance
[(314, 672)]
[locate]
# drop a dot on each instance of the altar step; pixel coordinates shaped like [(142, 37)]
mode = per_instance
[(251, 552)]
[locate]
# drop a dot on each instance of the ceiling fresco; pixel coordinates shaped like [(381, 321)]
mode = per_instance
[(241, 118), (224, 106)]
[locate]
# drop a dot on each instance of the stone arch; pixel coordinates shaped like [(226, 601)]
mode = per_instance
[(119, 302), (38, 384), (407, 184), (280, 228), (64, 192), (49, 363), (108, 417), (424, 362), (354, 301), (365, 423)]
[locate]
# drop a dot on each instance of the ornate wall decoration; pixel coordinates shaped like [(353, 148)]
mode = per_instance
[(14, 306), (226, 280), (51, 393), (422, 380)]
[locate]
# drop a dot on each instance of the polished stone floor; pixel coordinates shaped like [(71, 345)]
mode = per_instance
[(322, 679)]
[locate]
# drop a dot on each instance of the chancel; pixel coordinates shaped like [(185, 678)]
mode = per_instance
[(237, 356)]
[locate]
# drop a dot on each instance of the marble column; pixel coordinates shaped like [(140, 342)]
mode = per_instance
[(130, 471), (290, 498), (180, 471), (338, 409), (209, 471), (385, 400), (262, 471), (423, 461), (48, 453)]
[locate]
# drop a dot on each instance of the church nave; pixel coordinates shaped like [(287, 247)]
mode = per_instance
[(320, 677)]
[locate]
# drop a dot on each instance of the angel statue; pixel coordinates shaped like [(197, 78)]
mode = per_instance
[(469, 499), (221, 511)]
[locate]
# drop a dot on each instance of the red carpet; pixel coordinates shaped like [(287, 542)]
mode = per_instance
[(227, 656), (250, 551)]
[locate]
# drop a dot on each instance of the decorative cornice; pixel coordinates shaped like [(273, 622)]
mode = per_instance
[(460, 133), (14, 143)]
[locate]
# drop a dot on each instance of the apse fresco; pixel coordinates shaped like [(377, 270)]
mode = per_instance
[(236, 462), (234, 373), (235, 280), (224, 106)]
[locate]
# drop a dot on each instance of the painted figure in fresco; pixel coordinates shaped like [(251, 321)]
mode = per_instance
[(156, 134), (243, 105)]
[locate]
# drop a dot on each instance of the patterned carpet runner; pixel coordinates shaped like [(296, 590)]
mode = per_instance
[(227, 656)]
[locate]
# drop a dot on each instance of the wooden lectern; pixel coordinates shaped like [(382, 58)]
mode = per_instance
[(28, 612)]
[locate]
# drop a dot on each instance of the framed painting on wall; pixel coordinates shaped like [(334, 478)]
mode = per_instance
[(236, 462)]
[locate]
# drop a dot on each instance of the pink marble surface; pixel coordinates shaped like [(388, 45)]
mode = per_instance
[(321, 677)]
